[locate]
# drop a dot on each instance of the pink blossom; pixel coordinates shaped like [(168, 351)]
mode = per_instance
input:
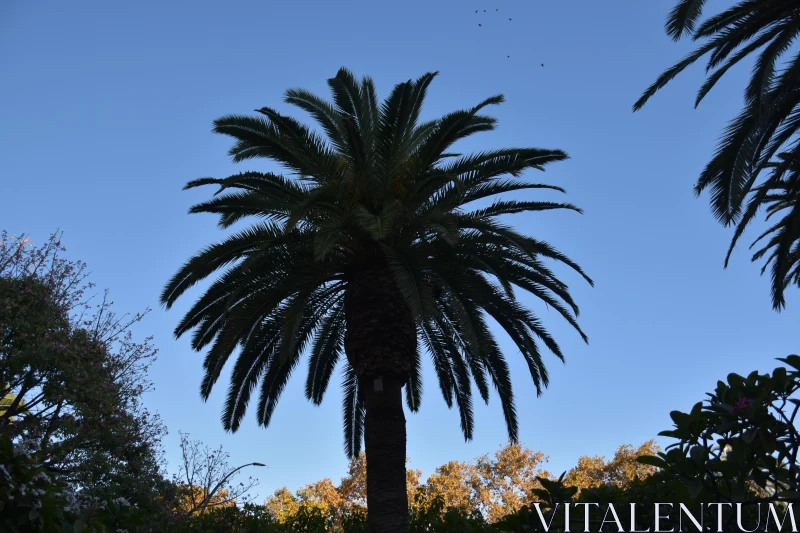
[(741, 404)]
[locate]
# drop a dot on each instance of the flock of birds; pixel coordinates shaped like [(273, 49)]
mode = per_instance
[(481, 25)]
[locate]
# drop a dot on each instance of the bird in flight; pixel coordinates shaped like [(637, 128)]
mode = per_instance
[(542, 64), (508, 56), (476, 11), (509, 19), (481, 25)]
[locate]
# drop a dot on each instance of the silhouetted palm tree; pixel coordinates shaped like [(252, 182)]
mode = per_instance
[(769, 121), (366, 251)]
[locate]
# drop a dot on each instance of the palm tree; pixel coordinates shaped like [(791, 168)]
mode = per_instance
[(780, 193), (367, 250), (768, 123)]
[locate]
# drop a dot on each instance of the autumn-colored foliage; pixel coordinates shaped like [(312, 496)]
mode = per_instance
[(192, 497), (336, 501), (70, 418), (494, 485), (620, 471)]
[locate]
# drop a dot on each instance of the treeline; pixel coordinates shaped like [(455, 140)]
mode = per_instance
[(494, 485), (79, 452), (487, 489)]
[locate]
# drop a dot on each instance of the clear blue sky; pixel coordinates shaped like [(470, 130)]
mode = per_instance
[(106, 113)]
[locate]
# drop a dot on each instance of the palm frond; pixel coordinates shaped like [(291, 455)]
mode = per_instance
[(353, 411), (683, 17), (299, 320), (325, 353), (217, 256), (769, 120), (413, 387)]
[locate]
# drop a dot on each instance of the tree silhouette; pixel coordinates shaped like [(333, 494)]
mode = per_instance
[(367, 250)]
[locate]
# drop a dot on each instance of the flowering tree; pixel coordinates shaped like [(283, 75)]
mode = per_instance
[(742, 444), (72, 376)]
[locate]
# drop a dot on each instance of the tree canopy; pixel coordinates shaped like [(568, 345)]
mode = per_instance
[(380, 188)]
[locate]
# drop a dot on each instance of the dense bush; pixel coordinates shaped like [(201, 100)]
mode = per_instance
[(742, 444)]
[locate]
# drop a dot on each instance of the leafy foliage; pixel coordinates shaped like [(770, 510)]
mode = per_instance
[(29, 497), (741, 444), (622, 470), (72, 376), (458, 496), (555, 493)]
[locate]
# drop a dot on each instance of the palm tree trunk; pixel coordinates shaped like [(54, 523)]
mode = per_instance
[(385, 443), (381, 343)]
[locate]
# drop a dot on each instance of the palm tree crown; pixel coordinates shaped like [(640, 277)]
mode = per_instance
[(766, 126), (379, 194)]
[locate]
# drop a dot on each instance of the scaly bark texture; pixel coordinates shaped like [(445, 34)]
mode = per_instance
[(381, 336), (380, 343), (385, 443)]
